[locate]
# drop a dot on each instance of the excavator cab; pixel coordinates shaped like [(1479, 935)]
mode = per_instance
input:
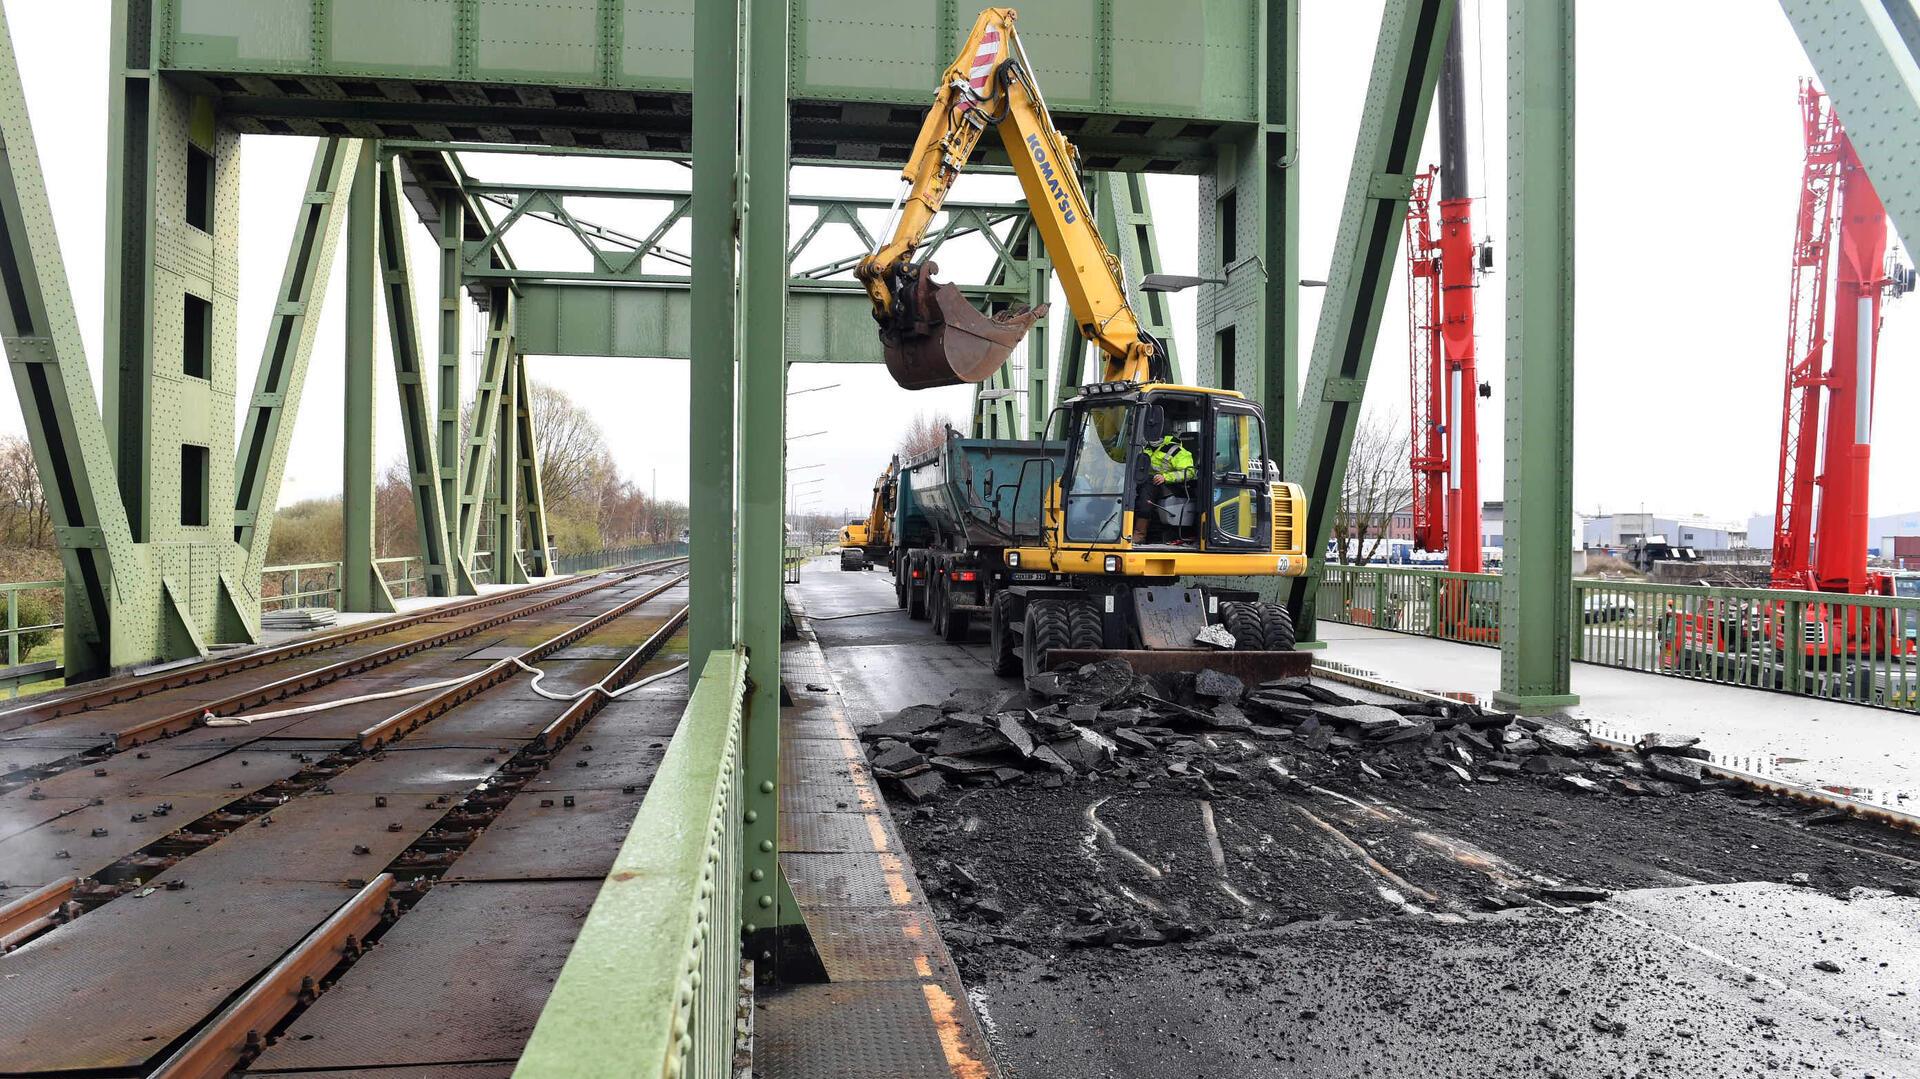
[(1221, 502)]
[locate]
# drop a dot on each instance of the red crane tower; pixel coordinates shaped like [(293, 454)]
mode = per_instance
[(1820, 523), (1442, 273)]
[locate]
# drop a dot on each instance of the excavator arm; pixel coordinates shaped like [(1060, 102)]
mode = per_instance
[(931, 335)]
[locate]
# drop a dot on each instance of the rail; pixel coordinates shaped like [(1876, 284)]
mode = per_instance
[(1856, 649), (650, 985)]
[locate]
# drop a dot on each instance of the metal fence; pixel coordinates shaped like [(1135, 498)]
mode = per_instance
[(650, 985), (35, 613), (1859, 649), (588, 561), (317, 584)]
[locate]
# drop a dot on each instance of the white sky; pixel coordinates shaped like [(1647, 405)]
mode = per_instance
[(1689, 164)]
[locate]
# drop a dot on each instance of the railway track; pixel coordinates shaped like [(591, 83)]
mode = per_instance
[(176, 903)]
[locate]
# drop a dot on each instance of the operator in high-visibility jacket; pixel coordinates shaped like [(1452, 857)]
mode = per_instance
[(1172, 465)]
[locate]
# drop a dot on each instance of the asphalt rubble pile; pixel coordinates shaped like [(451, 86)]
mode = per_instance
[(1199, 732)]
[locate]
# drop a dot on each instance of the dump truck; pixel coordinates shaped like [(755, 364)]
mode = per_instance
[(955, 509)]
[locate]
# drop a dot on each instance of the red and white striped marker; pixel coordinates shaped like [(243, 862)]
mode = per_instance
[(983, 60)]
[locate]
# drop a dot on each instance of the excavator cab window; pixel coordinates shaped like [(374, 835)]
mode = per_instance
[(1097, 472), (1239, 513)]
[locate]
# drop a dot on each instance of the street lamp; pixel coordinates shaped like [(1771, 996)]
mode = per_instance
[(803, 468), (809, 434), (1174, 282), (813, 389)]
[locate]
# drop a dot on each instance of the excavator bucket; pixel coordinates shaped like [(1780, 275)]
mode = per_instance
[(941, 340)]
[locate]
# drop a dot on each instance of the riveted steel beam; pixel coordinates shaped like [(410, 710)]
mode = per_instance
[(532, 495), (447, 394), (494, 371), (361, 587), (1867, 53), (1406, 65), (1536, 597), (418, 423), (262, 458), (507, 568), (49, 366), (713, 328)]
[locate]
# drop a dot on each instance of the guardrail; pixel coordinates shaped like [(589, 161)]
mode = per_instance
[(588, 561), (40, 635), (1858, 649), (317, 584), (651, 983)]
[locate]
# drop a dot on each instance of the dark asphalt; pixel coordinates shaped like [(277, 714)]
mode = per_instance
[(1711, 979)]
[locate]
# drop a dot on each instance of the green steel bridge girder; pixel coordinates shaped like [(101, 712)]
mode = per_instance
[(1406, 67), (1867, 53), (1139, 84)]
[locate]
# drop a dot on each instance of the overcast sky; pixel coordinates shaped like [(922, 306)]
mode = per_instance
[(1688, 175)]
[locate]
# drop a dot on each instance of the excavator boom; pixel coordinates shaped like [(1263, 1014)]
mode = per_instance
[(930, 334)]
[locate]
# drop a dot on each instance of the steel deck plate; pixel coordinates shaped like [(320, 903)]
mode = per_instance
[(531, 841), (33, 856), (860, 944), (86, 995), (248, 898), (415, 771), (813, 798), (501, 1070), (857, 1030), (604, 767), (825, 833), (460, 977), (850, 879)]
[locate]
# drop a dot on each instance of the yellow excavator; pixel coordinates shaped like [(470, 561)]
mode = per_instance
[(868, 541), (1157, 482)]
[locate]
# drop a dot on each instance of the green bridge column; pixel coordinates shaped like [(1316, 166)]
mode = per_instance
[(776, 934), (714, 337), (360, 586), (1535, 596)]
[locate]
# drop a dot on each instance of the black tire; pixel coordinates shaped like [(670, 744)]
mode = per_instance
[(917, 591), (1279, 626), (1244, 622), (900, 586), (1084, 626), (1002, 642), (954, 624), (937, 604), (1047, 629)]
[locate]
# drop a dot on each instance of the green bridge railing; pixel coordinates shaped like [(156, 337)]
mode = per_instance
[(1858, 649), (650, 986), (588, 561)]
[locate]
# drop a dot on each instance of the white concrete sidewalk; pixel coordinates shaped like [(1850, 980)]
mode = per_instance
[(1813, 742)]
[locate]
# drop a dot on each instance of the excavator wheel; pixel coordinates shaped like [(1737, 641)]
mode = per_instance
[(1244, 622), (1002, 643), (1048, 627), (1084, 626), (1279, 626)]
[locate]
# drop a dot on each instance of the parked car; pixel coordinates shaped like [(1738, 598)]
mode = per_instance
[(1606, 609)]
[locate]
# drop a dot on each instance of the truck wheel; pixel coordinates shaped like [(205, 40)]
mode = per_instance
[(1279, 626), (953, 624), (900, 586), (1084, 626), (937, 604), (916, 592), (1244, 622), (1000, 637), (1047, 629)]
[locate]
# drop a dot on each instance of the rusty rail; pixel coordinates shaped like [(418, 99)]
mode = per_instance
[(132, 689), (400, 723), (239, 1032), (34, 912), (586, 707), (192, 716)]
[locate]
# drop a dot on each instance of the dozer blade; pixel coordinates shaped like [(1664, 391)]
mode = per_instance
[(1252, 668), (944, 341)]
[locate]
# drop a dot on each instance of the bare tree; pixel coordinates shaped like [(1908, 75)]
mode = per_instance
[(924, 432), (574, 461), (23, 501), (1378, 484)]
